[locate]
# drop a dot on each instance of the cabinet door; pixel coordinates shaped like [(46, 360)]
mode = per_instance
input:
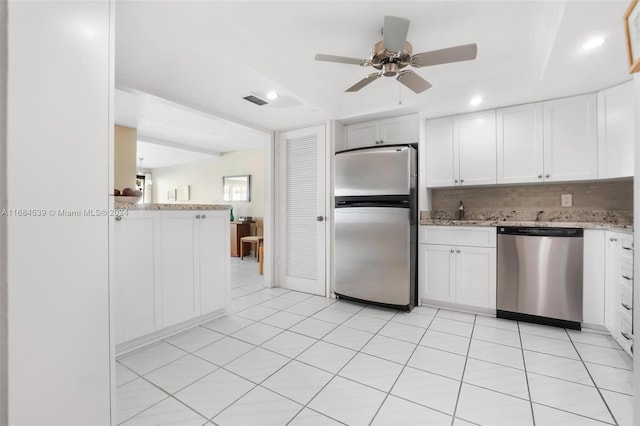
[(362, 134), (475, 277), (213, 260), (520, 143), (137, 300), (616, 121), (612, 273), (398, 130), (438, 270), (441, 152), (179, 290), (594, 277), (570, 139), (478, 148)]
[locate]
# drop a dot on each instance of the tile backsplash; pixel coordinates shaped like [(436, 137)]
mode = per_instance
[(592, 202)]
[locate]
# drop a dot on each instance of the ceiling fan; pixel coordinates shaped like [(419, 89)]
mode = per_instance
[(391, 55)]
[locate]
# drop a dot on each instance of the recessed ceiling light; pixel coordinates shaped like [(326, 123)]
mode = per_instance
[(594, 42), (477, 100), (272, 95)]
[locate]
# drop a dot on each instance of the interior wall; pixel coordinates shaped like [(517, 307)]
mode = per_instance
[(4, 418), (636, 253), (58, 123), (205, 181), (125, 157)]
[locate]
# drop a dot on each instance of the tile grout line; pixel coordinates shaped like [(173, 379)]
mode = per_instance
[(594, 382), (526, 375), (403, 367), (464, 368), (337, 372), (287, 363)]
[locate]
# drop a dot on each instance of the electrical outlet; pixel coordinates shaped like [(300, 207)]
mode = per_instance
[(566, 200)]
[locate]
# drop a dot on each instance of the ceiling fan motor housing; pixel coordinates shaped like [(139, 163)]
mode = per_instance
[(390, 62)]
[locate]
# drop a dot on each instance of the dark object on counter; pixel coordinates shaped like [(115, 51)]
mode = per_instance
[(461, 211), (231, 218)]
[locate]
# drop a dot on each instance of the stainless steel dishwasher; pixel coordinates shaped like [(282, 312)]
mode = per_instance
[(540, 275)]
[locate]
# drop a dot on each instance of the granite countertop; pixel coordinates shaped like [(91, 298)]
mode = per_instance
[(549, 224), (160, 206)]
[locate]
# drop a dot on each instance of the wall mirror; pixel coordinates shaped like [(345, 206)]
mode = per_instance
[(236, 188)]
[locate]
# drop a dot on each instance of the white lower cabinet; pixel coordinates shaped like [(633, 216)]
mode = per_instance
[(171, 266), (137, 286), (459, 274), (619, 288)]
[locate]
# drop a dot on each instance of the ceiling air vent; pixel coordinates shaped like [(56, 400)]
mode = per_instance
[(255, 100)]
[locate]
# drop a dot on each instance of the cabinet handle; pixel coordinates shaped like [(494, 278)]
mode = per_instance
[(456, 180), (458, 251), (627, 307), (118, 218), (453, 251), (627, 248), (197, 216), (547, 175), (461, 180), (625, 335), (627, 278), (613, 239), (204, 216), (320, 218), (539, 176)]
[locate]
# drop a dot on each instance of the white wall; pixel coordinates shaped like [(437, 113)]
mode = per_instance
[(59, 91), (636, 254), (4, 420), (205, 180)]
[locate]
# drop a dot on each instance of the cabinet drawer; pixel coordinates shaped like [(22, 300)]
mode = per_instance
[(459, 236), (626, 247), (625, 298), (624, 334)]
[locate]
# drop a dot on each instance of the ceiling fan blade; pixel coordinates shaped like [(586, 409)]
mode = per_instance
[(341, 59), (465, 52), (413, 81), (365, 81), (394, 33)]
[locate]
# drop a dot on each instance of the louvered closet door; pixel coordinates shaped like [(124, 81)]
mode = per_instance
[(301, 257)]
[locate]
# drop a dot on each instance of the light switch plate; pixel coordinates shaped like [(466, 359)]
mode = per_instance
[(566, 200)]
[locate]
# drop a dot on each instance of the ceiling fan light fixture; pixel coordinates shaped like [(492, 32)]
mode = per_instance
[(476, 100), (593, 42)]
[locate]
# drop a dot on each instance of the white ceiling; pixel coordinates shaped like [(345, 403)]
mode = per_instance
[(207, 55), (155, 155)]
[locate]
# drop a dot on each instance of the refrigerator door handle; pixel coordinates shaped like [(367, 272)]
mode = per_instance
[(320, 218)]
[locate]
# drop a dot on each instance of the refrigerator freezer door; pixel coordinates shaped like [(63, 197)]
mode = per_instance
[(376, 171), (372, 259)]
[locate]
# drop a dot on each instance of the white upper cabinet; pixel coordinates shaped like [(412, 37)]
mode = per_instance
[(389, 131), (520, 144), (477, 141), (461, 150), (362, 134), (570, 139), (442, 152), (616, 121)]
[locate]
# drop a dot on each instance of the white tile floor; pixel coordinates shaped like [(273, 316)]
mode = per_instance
[(288, 358)]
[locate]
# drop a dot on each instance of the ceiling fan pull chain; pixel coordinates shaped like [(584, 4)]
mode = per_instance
[(399, 94)]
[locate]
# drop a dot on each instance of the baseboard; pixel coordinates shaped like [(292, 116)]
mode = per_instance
[(125, 348), (458, 307)]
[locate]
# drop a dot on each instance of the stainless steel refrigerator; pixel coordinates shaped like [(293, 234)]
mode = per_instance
[(376, 226)]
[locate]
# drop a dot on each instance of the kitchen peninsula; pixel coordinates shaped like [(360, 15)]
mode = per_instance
[(171, 269)]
